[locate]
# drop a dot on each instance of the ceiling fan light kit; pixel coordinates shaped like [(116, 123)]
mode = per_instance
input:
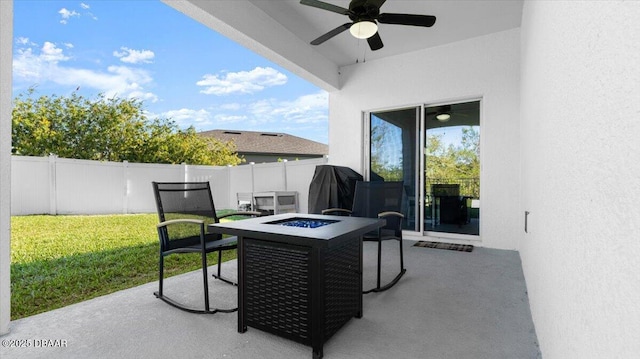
[(443, 117), (363, 29), (365, 16)]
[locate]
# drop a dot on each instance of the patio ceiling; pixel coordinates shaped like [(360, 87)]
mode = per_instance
[(281, 30)]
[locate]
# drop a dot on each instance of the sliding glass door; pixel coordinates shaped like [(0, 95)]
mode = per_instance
[(393, 155), (452, 168), (435, 152)]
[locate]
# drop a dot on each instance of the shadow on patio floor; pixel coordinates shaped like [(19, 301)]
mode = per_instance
[(448, 305)]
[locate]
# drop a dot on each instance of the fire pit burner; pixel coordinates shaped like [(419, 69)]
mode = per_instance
[(304, 222)]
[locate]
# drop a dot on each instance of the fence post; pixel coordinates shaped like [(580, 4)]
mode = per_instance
[(284, 173), (125, 175), (232, 197), (53, 195), (253, 179)]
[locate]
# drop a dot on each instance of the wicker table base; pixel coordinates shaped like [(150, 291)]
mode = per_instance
[(303, 284)]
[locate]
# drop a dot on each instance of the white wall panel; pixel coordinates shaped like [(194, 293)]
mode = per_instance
[(581, 175), (269, 177), (30, 177), (89, 187), (218, 178), (299, 175), (139, 190)]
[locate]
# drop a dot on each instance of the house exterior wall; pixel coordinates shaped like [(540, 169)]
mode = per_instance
[(6, 58), (257, 158), (581, 176), (485, 67)]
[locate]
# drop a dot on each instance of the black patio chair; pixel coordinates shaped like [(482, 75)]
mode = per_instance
[(184, 210), (382, 200), (451, 208)]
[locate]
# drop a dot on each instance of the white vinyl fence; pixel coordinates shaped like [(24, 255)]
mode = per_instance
[(52, 185)]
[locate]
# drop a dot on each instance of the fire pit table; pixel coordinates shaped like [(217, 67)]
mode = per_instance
[(299, 275)]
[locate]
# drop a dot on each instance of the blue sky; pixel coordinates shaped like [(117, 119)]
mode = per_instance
[(178, 67)]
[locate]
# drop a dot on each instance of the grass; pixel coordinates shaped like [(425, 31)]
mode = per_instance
[(60, 260)]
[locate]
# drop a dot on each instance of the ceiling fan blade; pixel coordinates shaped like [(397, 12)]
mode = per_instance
[(325, 6), (375, 42), (407, 19), (377, 3), (331, 33)]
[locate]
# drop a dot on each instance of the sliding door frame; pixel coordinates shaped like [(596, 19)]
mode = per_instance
[(422, 230), (418, 182), (445, 235)]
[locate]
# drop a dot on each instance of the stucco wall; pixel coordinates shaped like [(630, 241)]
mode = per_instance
[(581, 176), (486, 67), (6, 31)]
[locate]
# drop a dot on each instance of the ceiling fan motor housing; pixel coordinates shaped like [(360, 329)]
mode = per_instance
[(362, 10)]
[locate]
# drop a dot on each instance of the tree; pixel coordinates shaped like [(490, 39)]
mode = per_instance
[(108, 129), (455, 164), (384, 162)]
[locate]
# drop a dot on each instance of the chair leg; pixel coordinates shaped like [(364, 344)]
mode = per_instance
[(161, 274), (401, 255), (206, 281), (379, 262), (180, 306), (395, 280), (219, 275)]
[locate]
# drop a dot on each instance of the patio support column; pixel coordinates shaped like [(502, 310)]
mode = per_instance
[(6, 36)]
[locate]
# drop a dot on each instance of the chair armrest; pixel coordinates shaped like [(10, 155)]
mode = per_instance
[(390, 213), (242, 213), (174, 221), (341, 211)]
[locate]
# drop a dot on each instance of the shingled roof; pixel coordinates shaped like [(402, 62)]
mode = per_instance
[(269, 142)]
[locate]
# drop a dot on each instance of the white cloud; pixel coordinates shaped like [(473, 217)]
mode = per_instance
[(310, 108), (66, 15), (186, 117), (68, 45), (50, 65), (134, 56), (223, 118), (51, 53), (24, 41), (242, 82), (144, 96), (231, 106), (305, 116), (304, 109)]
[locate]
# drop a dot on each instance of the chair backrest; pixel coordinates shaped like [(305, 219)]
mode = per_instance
[(375, 197), (372, 198), (444, 190), (183, 200)]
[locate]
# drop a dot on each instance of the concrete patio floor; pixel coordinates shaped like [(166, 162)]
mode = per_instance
[(448, 305)]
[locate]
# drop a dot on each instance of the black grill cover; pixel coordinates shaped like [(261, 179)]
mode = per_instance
[(332, 187)]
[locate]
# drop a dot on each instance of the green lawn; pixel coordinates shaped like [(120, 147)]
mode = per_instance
[(61, 260)]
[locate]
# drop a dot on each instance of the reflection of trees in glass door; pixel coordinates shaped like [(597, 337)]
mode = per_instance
[(452, 168), (393, 139)]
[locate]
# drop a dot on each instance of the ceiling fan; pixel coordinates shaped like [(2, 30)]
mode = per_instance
[(444, 113), (364, 15)]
